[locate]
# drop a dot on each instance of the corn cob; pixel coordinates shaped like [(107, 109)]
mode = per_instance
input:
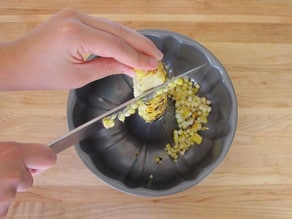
[(144, 80)]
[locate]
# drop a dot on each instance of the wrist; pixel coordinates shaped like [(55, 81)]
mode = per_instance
[(14, 62)]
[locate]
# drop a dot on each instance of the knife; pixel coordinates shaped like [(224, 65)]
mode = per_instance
[(81, 132)]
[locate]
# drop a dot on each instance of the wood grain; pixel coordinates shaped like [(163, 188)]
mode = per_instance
[(253, 40)]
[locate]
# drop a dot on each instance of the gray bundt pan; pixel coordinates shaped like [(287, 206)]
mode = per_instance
[(124, 156)]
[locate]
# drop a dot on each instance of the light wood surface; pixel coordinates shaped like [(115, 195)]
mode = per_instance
[(253, 40)]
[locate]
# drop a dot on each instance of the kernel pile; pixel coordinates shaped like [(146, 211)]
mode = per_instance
[(191, 113)]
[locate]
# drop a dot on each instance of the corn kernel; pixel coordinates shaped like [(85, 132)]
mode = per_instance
[(108, 122), (121, 117)]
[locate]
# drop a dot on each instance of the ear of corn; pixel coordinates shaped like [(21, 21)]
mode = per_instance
[(144, 80)]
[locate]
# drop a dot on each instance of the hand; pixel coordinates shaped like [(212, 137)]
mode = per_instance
[(18, 163), (51, 55)]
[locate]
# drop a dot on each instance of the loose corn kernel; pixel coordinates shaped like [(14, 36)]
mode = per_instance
[(158, 159), (108, 122), (121, 117), (179, 81)]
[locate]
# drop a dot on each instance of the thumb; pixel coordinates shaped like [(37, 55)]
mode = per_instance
[(37, 157)]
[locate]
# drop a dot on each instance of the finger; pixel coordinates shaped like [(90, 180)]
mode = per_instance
[(7, 194), (17, 176), (4, 209), (107, 45), (15, 173), (37, 157), (99, 68), (132, 37)]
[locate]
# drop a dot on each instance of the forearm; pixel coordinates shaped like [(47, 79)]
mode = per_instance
[(19, 69), (7, 81)]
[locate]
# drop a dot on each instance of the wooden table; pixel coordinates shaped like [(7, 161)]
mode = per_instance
[(253, 40)]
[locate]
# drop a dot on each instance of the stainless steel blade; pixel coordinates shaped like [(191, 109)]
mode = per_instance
[(84, 130)]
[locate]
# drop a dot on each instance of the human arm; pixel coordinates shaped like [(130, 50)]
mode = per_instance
[(51, 55)]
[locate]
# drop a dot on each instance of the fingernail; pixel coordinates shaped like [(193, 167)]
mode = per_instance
[(159, 55), (153, 62)]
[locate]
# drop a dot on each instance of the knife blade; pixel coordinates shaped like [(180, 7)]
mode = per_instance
[(81, 132)]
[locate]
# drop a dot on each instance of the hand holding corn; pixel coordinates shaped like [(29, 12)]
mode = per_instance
[(51, 56)]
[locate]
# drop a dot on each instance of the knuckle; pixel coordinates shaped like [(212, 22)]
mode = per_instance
[(68, 12), (68, 23), (69, 29)]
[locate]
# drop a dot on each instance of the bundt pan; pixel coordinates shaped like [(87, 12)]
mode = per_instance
[(125, 157)]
